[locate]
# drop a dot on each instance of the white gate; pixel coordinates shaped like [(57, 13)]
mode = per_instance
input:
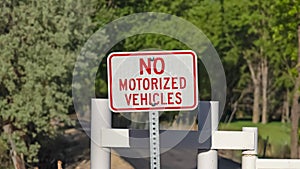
[(208, 140)]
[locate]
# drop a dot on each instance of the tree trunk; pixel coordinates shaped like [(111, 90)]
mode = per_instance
[(256, 79), (295, 121), (295, 108), (18, 161), (256, 98), (264, 91), (283, 112), (235, 105), (285, 117), (287, 108)]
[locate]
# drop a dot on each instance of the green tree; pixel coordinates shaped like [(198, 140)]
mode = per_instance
[(39, 41), (245, 43), (180, 8), (286, 37)]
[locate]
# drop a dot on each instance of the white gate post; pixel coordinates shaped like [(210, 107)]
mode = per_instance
[(250, 156), (101, 118), (207, 159), (208, 117)]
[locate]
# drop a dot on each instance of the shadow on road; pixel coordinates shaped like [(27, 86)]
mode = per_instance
[(174, 159)]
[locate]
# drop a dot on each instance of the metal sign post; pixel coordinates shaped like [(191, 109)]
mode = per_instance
[(154, 140)]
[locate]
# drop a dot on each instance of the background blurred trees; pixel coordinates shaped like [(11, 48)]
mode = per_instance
[(257, 42), (39, 42), (246, 35)]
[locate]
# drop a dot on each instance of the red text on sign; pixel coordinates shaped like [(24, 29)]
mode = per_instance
[(163, 83), (153, 87), (144, 99), (148, 66)]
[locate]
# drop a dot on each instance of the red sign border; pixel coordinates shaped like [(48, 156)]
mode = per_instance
[(141, 53)]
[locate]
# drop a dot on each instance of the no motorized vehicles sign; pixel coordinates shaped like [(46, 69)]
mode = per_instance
[(152, 80)]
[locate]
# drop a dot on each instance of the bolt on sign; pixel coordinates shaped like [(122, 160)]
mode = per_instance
[(152, 81)]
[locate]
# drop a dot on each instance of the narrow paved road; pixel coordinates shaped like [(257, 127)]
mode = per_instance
[(174, 159)]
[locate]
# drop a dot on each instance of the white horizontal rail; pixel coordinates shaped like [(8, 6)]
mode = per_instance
[(277, 164), (115, 137), (234, 140)]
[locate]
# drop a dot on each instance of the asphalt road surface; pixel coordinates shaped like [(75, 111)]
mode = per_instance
[(172, 159)]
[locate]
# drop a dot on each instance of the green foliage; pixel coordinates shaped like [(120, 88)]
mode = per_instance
[(150, 41), (239, 30), (287, 14), (39, 41), (276, 132)]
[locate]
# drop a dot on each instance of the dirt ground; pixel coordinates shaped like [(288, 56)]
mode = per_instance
[(116, 163), (80, 158)]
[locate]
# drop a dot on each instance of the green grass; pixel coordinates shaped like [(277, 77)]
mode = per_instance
[(278, 133)]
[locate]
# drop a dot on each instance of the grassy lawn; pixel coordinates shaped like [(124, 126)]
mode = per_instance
[(278, 133)]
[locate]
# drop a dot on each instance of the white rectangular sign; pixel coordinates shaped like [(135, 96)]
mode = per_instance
[(152, 80)]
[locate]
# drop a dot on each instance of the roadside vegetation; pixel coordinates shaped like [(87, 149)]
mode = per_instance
[(273, 138)]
